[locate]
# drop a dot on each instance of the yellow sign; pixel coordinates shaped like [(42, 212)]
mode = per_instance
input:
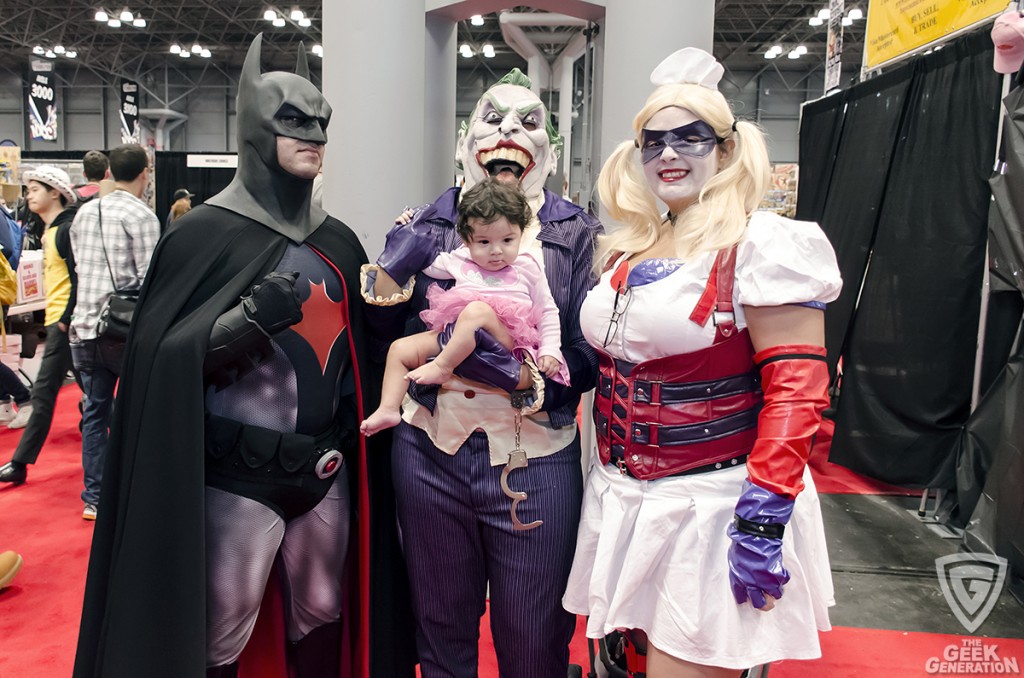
[(896, 27)]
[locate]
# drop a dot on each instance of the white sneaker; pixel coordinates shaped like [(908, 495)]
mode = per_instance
[(7, 411), (21, 418)]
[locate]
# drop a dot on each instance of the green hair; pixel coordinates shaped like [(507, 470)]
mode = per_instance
[(520, 79)]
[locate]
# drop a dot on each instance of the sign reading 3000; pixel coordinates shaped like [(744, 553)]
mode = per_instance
[(896, 27)]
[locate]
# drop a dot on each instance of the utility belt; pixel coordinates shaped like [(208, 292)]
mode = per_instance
[(288, 472), (679, 415)]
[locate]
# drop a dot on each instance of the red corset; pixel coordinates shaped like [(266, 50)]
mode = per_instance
[(669, 415)]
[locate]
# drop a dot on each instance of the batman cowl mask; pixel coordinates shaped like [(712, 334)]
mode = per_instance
[(270, 105)]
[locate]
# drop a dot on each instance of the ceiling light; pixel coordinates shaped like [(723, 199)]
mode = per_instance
[(297, 15), (206, 54), (278, 22), (305, 22), (71, 54), (801, 49), (855, 14), (815, 21), (793, 54), (139, 22), (38, 50), (50, 55), (126, 17), (101, 16), (270, 15), (114, 23), (489, 51), (777, 49), (197, 48), (184, 54), (59, 49), (771, 54), (175, 48), (318, 50), (476, 20), (465, 50), (847, 21), (824, 14)]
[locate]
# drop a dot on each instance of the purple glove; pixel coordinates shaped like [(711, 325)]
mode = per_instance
[(491, 363), (409, 249), (755, 556)]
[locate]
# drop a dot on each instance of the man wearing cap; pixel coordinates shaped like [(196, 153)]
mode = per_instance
[(113, 239), (49, 194), (182, 202)]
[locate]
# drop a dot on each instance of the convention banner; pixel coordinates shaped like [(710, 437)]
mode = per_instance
[(129, 112), (896, 27), (42, 104), (834, 51)]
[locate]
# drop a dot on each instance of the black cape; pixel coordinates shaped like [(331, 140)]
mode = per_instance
[(145, 600)]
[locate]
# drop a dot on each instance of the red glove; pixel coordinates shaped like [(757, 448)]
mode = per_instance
[(795, 384)]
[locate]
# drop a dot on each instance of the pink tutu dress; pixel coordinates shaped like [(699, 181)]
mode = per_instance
[(519, 295)]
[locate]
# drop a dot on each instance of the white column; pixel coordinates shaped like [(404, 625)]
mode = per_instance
[(439, 124), (375, 152), (636, 35)]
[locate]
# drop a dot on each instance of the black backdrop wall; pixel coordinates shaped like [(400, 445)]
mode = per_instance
[(906, 202), (172, 173)]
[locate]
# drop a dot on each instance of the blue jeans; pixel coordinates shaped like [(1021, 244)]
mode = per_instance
[(99, 362)]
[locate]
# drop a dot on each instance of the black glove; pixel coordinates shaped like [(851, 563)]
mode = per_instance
[(239, 340), (273, 303)]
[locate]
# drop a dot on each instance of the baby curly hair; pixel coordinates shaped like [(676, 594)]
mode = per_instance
[(490, 200)]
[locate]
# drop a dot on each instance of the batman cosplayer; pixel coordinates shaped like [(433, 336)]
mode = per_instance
[(234, 453)]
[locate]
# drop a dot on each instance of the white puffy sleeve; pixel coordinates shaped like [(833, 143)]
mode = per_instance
[(783, 261)]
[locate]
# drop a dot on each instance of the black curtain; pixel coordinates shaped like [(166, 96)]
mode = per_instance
[(874, 112), (821, 124), (909, 360), (172, 173)]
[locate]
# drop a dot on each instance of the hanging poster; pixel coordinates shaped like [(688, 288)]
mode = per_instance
[(834, 50), (129, 112), (896, 27), (42, 104)]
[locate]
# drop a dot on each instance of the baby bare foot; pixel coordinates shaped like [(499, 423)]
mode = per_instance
[(378, 421), (431, 373)]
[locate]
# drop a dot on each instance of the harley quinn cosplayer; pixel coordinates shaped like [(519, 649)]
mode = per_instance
[(235, 445), (701, 536)]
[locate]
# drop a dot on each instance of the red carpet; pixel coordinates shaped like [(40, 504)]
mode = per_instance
[(834, 479), (39, 613)]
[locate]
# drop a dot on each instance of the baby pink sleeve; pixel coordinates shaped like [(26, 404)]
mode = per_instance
[(550, 327), (443, 267)]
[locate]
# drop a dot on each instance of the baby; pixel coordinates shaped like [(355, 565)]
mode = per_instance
[(497, 288)]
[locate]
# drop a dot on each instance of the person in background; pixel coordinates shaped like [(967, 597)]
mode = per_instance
[(709, 325), (96, 169), (13, 393), (182, 202), (113, 239), (50, 195)]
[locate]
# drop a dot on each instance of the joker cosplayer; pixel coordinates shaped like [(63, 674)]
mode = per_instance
[(458, 535), (235, 442)]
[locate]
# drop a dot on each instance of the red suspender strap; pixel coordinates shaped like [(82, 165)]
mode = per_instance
[(725, 317), (717, 297)]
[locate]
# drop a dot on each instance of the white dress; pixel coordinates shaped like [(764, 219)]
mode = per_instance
[(651, 555)]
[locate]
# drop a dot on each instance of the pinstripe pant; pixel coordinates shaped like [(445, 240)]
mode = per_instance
[(457, 537)]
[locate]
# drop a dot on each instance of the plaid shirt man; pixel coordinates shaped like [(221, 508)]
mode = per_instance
[(129, 235)]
